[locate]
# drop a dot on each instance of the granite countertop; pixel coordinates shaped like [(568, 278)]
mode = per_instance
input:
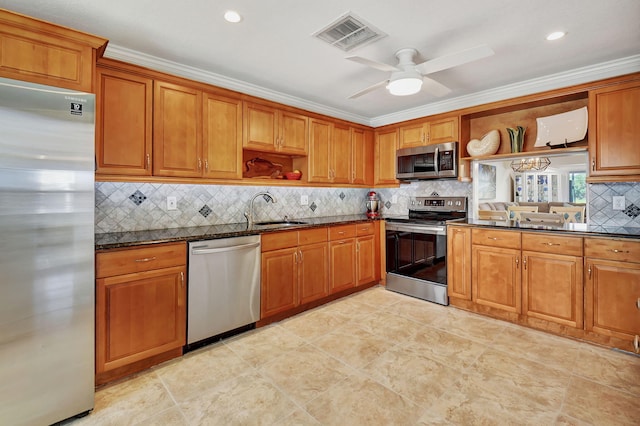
[(135, 238), (572, 228)]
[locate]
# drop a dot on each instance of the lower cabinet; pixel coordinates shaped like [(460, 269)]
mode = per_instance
[(459, 262), (140, 308), (354, 255)]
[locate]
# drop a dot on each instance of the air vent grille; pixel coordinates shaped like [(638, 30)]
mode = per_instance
[(349, 32)]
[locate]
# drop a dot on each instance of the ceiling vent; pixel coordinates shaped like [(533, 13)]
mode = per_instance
[(348, 32)]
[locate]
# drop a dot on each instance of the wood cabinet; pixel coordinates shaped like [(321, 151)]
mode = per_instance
[(386, 144), (428, 132), (44, 53), (294, 269), (222, 137), (459, 262), (614, 130), (362, 156), (342, 254), (271, 129), (340, 154), (495, 269), (552, 287), (177, 138), (367, 257), (337, 153), (140, 308), (612, 291), (124, 117)]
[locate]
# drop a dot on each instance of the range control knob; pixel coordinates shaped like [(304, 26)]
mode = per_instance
[(458, 203)]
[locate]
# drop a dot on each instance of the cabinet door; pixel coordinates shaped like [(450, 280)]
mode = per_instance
[(139, 315), (319, 151), (495, 278), (313, 271), (552, 288), (385, 157), (365, 260), (611, 296), (260, 127), (123, 123), (614, 130), (413, 135), (445, 130), (177, 126), (294, 133), (341, 154), (279, 286), (222, 137), (342, 264), (459, 262), (361, 157)]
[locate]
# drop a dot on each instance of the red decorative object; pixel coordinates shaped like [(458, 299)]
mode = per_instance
[(293, 175)]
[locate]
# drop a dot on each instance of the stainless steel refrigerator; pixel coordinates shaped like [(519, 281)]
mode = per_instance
[(46, 253)]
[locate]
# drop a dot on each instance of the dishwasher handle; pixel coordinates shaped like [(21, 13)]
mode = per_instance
[(203, 250)]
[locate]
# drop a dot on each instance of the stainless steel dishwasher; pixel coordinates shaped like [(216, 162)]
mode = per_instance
[(223, 288)]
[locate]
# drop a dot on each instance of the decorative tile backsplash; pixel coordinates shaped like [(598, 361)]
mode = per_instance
[(140, 206)]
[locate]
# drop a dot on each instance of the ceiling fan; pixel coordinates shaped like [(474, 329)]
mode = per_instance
[(408, 77)]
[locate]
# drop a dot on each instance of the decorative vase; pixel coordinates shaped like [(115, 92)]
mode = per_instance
[(517, 138)]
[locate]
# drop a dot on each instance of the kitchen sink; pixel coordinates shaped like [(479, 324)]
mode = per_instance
[(280, 223)]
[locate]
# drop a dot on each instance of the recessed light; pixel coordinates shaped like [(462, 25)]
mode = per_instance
[(556, 35), (232, 16)]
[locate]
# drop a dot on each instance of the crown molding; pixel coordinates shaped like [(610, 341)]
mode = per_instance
[(586, 74)]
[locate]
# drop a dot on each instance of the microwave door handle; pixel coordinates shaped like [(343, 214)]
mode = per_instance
[(436, 161)]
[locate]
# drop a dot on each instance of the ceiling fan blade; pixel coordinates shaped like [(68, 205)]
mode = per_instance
[(434, 88), (454, 59), (373, 64), (369, 89)]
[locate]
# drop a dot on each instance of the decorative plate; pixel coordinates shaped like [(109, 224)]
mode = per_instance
[(488, 145), (562, 128)]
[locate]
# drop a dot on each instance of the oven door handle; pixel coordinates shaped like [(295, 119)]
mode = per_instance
[(417, 229)]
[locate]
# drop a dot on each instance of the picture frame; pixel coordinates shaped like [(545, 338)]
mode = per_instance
[(486, 182)]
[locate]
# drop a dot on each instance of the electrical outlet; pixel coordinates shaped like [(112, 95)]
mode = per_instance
[(172, 203), (618, 202), (304, 200), (394, 199)]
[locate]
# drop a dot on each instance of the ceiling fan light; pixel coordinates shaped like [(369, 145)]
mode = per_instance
[(405, 86)]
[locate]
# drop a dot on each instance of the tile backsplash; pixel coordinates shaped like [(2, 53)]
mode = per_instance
[(140, 206)]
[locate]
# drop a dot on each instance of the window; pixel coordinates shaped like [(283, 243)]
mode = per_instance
[(577, 187)]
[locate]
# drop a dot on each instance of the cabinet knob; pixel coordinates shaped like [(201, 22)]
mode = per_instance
[(636, 343), (206, 165), (517, 262)]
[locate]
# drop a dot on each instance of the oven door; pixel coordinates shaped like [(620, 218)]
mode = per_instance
[(416, 261)]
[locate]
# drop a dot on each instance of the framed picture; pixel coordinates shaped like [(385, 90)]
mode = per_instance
[(486, 182)]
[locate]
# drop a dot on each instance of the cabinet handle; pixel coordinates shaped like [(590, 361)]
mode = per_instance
[(423, 138), (428, 137), (589, 271), (638, 303), (301, 256), (199, 163), (619, 251), (295, 257), (148, 162), (358, 246), (493, 238), (593, 165), (340, 232), (182, 279), (524, 262), (517, 262), (550, 244), (636, 343), (206, 165), (146, 259)]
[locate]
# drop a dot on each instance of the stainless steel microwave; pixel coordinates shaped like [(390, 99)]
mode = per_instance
[(428, 162)]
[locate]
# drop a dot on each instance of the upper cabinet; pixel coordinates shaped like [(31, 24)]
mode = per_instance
[(124, 117), (385, 157), (45, 53), (222, 137), (614, 126), (429, 132), (270, 129), (362, 156)]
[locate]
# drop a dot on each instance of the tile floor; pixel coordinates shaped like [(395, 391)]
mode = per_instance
[(380, 358)]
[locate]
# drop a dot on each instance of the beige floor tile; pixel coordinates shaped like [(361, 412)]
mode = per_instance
[(470, 325), (621, 371), (349, 308), (418, 310), (379, 297), (315, 323), (264, 344), (305, 372), (202, 370), (538, 346), (248, 399), (530, 381), (564, 420), (128, 402), (299, 418), (392, 327), (358, 400), (353, 345), (599, 404), (171, 417), (412, 375), (446, 348)]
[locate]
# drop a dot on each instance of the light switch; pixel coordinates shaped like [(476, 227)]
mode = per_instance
[(304, 200), (618, 202)]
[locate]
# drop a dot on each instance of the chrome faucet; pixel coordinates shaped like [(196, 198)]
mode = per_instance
[(249, 214)]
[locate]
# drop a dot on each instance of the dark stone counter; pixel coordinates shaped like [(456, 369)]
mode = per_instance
[(570, 228), (136, 238)]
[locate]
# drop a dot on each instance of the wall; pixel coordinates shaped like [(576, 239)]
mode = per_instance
[(602, 217), (124, 207)]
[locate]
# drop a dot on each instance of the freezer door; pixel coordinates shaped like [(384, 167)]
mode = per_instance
[(46, 255)]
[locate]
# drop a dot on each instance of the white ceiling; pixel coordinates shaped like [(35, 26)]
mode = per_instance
[(272, 54)]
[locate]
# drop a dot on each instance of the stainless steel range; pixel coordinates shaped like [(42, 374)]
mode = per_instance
[(417, 247)]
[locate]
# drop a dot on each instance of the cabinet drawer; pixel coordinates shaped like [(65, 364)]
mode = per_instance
[(556, 244), (312, 236), (365, 228), (495, 238), (342, 231), (126, 261), (279, 240), (604, 248)]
